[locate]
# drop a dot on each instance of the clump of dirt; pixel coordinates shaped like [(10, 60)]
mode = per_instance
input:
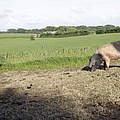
[(70, 94)]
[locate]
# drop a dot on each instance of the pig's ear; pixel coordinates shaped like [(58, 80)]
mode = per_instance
[(100, 57), (90, 58)]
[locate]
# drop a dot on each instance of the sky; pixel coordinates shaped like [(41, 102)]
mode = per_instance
[(32, 14)]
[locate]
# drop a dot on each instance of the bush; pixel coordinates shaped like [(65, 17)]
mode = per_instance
[(32, 37)]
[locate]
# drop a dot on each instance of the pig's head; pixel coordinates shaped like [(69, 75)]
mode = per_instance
[(95, 62)]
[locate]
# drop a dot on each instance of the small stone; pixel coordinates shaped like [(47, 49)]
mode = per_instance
[(69, 75), (28, 87), (24, 78), (66, 73), (108, 76)]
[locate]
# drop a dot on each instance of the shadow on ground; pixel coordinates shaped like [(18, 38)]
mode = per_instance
[(86, 68), (15, 106), (114, 66), (100, 108)]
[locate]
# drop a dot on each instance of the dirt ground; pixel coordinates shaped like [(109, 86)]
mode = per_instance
[(70, 94)]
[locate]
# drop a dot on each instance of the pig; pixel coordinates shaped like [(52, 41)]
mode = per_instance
[(104, 54)]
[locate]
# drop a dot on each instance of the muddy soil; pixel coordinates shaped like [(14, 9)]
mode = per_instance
[(70, 94)]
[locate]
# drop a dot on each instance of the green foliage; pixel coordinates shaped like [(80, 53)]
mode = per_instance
[(12, 31), (32, 37), (101, 31), (50, 28), (67, 31), (21, 30)]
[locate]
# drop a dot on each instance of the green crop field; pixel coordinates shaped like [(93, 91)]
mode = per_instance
[(18, 52)]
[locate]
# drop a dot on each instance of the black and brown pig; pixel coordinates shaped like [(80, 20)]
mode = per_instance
[(104, 54)]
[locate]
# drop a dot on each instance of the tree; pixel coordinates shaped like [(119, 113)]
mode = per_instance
[(50, 28), (21, 30), (101, 31), (11, 30)]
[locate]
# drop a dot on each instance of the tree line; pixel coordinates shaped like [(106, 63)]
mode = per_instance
[(62, 31)]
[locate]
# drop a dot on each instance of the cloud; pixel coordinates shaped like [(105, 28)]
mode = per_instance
[(114, 19), (40, 13), (79, 10), (4, 20)]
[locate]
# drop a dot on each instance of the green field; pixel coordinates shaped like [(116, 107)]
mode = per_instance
[(18, 52)]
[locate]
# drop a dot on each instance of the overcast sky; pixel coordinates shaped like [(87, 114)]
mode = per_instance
[(40, 13)]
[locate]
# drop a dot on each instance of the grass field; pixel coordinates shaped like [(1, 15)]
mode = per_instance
[(18, 52)]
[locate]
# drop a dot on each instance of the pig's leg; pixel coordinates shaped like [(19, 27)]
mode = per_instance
[(106, 64)]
